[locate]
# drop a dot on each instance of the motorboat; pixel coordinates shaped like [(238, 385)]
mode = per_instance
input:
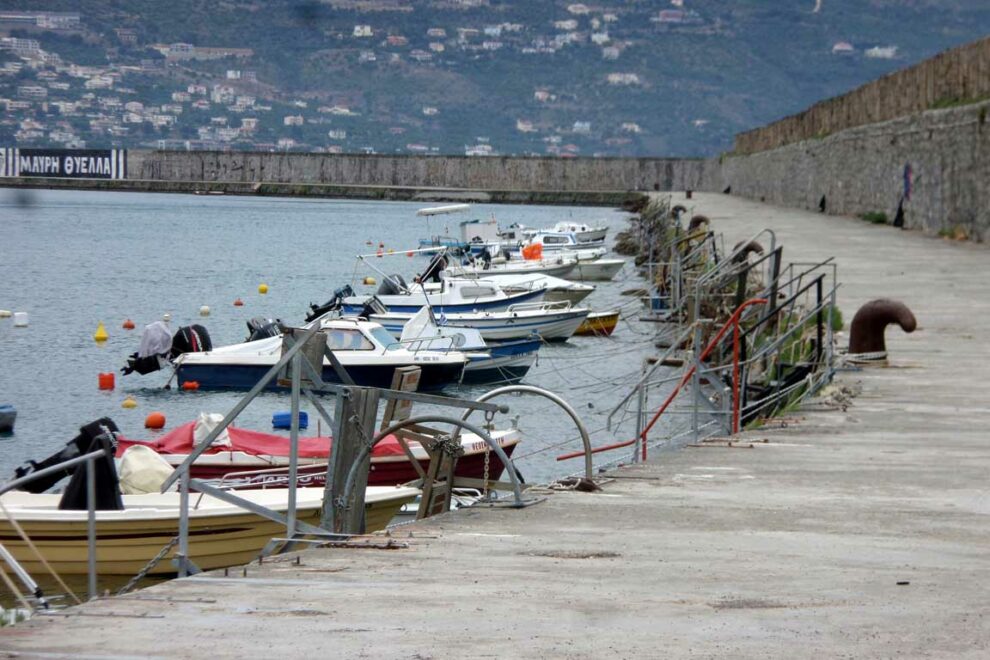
[(562, 240), (597, 270), (557, 289), (584, 233), (556, 265), (368, 353), (454, 295), (551, 321), (245, 458), (489, 362), (220, 534)]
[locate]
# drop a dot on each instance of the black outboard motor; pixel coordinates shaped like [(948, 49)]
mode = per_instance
[(191, 339), (372, 306), (335, 302), (107, 495), (485, 258), (78, 446), (154, 352), (262, 328), (392, 285), (432, 272)]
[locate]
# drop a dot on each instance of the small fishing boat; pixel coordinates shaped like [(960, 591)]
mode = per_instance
[(600, 324), (8, 415), (220, 534), (597, 270), (489, 363), (556, 266), (453, 295), (584, 233), (562, 240), (259, 460), (557, 289), (551, 321), (368, 353)]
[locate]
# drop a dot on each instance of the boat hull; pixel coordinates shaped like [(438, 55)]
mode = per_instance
[(599, 325), (218, 376), (125, 546), (556, 326), (352, 307), (509, 363), (602, 270)]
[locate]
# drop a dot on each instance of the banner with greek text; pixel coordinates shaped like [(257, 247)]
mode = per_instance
[(64, 163)]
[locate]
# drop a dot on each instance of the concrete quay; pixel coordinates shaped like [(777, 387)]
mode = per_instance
[(856, 533)]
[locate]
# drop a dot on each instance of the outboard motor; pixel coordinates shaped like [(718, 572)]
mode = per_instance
[(154, 352), (262, 328), (437, 265), (392, 285), (78, 446), (372, 306), (191, 339), (485, 258), (334, 303)]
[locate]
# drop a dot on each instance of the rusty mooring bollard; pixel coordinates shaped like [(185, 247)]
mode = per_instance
[(752, 246), (866, 335), (696, 223)]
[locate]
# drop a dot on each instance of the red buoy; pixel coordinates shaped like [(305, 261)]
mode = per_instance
[(128, 324), (106, 380), (238, 303), (190, 385), (155, 420)]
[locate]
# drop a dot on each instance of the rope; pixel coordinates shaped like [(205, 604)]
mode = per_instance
[(37, 553), (149, 566), (14, 590)]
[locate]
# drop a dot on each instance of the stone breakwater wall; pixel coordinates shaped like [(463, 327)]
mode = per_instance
[(959, 74), (454, 172), (936, 164)]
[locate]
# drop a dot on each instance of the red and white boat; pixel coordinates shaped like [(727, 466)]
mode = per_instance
[(267, 456)]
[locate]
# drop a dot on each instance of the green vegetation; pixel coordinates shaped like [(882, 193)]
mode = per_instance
[(876, 217)]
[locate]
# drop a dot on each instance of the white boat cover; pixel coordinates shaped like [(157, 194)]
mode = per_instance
[(205, 424), (142, 470), (156, 339)]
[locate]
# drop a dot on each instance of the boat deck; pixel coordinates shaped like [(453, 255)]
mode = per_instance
[(847, 533)]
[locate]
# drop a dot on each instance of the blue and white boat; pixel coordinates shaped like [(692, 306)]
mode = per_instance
[(368, 353), (454, 295), (553, 322), (489, 363)]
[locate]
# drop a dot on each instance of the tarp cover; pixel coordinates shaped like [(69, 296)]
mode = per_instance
[(180, 441), (156, 339)]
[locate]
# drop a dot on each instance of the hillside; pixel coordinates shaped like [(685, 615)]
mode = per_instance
[(627, 77)]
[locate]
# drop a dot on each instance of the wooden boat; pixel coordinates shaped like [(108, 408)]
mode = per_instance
[(601, 324), (220, 534)]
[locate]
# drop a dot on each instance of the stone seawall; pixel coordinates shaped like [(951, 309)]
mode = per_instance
[(458, 172), (938, 162)]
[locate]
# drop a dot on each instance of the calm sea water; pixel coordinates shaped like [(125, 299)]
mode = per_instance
[(72, 259)]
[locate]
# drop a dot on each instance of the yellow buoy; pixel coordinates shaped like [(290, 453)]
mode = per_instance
[(101, 333), (369, 281), (129, 402), (262, 288)]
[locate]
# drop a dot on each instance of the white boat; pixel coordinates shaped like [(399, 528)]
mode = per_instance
[(368, 353), (453, 295), (584, 233), (551, 321), (597, 270), (557, 265), (557, 289), (562, 240)]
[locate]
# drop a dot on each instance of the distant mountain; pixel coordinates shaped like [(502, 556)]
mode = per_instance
[(630, 78)]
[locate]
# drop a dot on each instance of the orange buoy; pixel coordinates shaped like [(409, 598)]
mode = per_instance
[(409, 254), (128, 324), (379, 252), (106, 380), (238, 303), (155, 420), (190, 385)]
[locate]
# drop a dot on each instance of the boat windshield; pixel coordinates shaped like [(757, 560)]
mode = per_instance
[(385, 338)]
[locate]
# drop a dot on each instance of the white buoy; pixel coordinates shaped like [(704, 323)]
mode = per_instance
[(5, 314), (20, 319), (204, 310)]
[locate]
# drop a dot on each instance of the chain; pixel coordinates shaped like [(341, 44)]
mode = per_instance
[(488, 452), (150, 565)]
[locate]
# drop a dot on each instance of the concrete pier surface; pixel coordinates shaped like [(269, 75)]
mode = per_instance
[(856, 533)]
